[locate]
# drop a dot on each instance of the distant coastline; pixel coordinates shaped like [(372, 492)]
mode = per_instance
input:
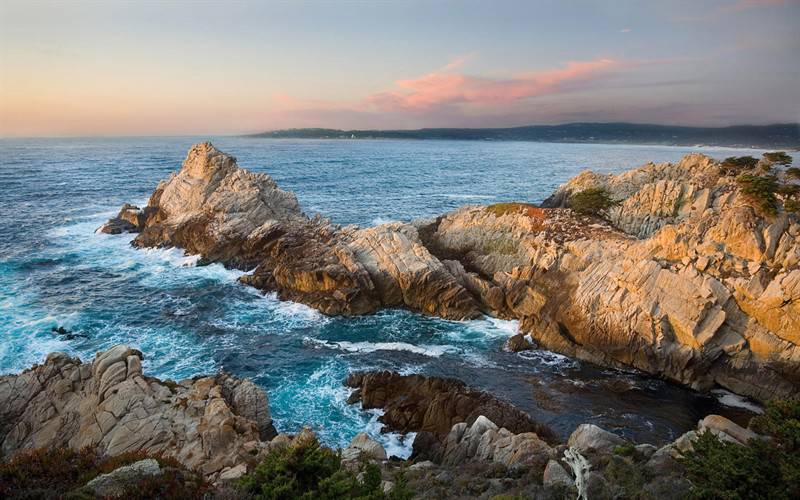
[(782, 136)]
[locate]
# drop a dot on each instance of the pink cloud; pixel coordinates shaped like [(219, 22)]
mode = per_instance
[(445, 88), (732, 8), (752, 4)]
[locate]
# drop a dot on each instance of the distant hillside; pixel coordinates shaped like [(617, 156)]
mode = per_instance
[(785, 136)]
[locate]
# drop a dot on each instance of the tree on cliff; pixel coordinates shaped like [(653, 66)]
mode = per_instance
[(592, 201), (734, 165), (778, 158)]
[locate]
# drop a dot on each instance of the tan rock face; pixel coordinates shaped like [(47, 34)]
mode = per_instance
[(685, 280), (226, 214), (706, 295), (208, 424)]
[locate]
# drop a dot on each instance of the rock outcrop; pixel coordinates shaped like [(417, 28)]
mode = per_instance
[(209, 424), (416, 403), (226, 214), (450, 419), (685, 280), (485, 441)]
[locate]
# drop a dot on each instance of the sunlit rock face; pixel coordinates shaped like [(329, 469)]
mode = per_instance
[(686, 280), (226, 214), (683, 279)]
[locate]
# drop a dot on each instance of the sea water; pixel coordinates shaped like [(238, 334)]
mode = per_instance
[(189, 320)]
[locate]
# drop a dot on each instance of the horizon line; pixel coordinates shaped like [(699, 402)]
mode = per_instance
[(246, 134)]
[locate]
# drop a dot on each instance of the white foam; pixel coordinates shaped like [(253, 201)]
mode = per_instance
[(549, 358), (395, 443), (379, 221), (295, 310), (728, 398), (367, 347), (483, 329)]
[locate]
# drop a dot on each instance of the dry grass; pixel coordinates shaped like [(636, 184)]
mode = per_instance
[(500, 209)]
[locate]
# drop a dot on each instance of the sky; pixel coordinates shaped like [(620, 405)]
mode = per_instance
[(80, 68)]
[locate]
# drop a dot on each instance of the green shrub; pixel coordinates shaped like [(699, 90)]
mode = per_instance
[(400, 491), (793, 172), (592, 201), (763, 468), (778, 157), (792, 206), (789, 190), (625, 450), (760, 191), (737, 164), (307, 470)]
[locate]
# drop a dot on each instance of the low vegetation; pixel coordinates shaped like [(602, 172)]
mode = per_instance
[(592, 201), (63, 473), (767, 467), (735, 165), (307, 470), (500, 209), (760, 190), (764, 188), (778, 158)]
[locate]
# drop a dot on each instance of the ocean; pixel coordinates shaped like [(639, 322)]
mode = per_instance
[(189, 320)]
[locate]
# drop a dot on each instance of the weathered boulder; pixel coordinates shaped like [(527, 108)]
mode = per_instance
[(589, 438), (517, 343), (485, 441), (363, 447), (115, 483), (556, 475), (110, 405)]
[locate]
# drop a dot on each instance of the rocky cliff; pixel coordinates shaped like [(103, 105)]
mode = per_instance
[(226, 214), (219, 428), (215, 425), (685, 279)]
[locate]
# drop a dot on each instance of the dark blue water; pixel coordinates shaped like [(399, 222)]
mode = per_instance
[(188, 320)]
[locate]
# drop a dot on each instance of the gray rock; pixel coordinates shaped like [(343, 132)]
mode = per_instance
[(115, 482), (111, 406), (589, 438), (725, 429), (645, 450), (363, 446), (556, 475)]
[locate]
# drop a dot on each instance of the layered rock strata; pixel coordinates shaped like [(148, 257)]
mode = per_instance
[(226, 214), (209, 424), (685, 280)]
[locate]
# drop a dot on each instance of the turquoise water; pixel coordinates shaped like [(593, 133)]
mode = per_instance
[(191, 320)]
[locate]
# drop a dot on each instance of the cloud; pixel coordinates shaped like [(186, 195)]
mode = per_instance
[(732, 8), (444, 88), (625, 30), (742, 5)]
